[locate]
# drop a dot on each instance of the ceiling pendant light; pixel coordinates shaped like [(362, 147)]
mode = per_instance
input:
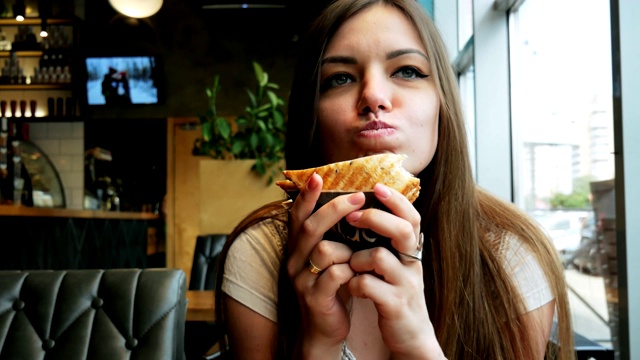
[(43, 28), (136, 8), (19, 10), (44, 9)]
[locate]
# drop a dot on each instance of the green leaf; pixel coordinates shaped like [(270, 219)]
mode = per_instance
[(273, 97), (252, 97), (223, 127), (263, 107), (206, 132), (259, 167), (262, 125), (242, 121), (237, 147), (253, 141), (267, 140), (278, 118), (257, 69), (273, 86), (216, 80), (262, 114)]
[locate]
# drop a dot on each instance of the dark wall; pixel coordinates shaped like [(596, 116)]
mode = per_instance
[(195, 45), (139, 166)]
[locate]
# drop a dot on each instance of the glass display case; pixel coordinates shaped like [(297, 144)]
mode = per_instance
[(45, 181)]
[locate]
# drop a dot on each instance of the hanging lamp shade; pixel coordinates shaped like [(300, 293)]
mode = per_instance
[(136, 8), (19, 10)]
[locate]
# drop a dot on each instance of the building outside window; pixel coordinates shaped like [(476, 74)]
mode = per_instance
[(465, 22), (562, 124)]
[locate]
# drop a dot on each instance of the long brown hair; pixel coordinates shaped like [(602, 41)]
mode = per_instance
[(469, 292)]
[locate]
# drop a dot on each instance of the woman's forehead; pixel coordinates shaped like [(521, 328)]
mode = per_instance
[(378, 27)]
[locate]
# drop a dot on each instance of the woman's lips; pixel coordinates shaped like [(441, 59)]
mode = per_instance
[(376, 129)]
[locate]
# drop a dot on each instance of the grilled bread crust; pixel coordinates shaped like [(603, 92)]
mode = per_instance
[(360, 174)]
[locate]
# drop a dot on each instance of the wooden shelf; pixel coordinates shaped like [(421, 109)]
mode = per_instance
[(10, 210), (41, 119), (30, 53), (25, 53), (34, 21), (36, 87)]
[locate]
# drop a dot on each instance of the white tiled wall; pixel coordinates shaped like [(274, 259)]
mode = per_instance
[(63, 143)]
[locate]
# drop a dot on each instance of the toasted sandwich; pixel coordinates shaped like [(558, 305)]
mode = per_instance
[(359, 174)]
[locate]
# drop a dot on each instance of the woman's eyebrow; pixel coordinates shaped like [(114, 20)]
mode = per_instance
[(352, 61), (400, 52), (339, 60)]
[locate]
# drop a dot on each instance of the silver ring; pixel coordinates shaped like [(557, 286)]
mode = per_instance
[(420, 243), (407, 257), (418, 255)]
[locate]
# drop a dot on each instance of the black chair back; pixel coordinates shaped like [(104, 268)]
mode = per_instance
[(205, 261)]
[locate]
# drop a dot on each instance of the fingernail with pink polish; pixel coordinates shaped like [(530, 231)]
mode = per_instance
[(356, 199), (382, 191), (312, 184), (354, 216)]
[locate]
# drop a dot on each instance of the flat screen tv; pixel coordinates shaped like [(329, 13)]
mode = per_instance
[(114, 80)]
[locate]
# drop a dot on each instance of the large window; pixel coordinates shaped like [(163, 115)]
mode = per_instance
[(465, 22), (562, 118)]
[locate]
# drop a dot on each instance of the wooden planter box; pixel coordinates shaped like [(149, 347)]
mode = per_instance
[(229, 191), (205, 196)]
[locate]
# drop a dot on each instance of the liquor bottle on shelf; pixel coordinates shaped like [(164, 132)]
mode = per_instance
[(5, 44), (5, 189), (13, 104), (12, 71), (59, 107), (52, 69), (23, 108), (44, 60)]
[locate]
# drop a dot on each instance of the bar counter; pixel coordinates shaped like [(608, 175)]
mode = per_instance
[(57, 239), (10, 210)]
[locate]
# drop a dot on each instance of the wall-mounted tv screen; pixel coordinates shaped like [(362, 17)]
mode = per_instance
[(123, 80)]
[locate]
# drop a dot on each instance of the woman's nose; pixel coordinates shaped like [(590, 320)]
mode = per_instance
[(376, 96)]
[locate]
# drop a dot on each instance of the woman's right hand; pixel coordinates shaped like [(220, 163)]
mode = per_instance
[(325, 317)]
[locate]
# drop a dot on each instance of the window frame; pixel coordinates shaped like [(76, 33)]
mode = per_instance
[(491, 58)]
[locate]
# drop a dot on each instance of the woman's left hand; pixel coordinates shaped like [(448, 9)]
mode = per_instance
[(395, 286)]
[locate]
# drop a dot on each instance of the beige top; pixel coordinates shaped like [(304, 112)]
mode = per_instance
[(252, 266), (253, 263)]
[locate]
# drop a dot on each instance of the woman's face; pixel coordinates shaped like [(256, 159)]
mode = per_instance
[(376, 91)]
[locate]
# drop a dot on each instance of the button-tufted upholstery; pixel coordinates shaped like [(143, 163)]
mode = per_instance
[(92, 314)]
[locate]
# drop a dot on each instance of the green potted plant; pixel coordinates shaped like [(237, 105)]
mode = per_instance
[(258, 134)]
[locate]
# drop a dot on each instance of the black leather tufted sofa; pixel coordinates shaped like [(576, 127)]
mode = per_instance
[(92, 314)]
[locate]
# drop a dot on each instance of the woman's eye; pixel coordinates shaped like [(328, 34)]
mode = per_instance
[(409, 72), (336, 80)]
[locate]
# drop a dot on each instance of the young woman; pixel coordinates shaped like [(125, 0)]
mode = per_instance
[(373, 77)]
